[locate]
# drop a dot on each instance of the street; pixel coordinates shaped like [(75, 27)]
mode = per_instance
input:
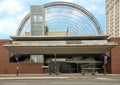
[(109, 80)]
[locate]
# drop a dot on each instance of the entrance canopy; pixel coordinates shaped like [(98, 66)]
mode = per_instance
[(75, 47), (64, 49)]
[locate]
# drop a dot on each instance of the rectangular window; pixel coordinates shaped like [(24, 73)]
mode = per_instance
[(36, 58)]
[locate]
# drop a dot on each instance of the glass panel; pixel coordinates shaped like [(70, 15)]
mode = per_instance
[(37, 20), (36, 58)]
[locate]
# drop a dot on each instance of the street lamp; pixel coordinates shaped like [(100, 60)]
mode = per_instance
[(55, 64), (105, 63), (17, 67)]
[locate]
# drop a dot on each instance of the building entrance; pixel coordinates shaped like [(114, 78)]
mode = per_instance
[(74, 63)]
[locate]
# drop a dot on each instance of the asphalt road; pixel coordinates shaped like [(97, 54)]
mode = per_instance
[(77, 81)]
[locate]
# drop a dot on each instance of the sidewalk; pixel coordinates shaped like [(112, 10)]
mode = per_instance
[(61, 76), (30, 76)]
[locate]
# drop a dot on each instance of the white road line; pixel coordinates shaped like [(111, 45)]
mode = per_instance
[(15, 83), (105, 79), (78, 83)]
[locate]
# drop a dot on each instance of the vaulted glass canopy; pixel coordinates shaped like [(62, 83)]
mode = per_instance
[(65, 17)]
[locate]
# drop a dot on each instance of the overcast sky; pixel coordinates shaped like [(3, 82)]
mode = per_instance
[(13, 11)]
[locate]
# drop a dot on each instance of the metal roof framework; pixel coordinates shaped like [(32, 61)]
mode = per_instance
[(53, 4)]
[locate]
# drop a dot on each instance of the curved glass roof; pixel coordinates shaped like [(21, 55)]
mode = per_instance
[(63, 18)]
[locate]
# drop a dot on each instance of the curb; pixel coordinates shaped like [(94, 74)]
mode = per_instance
[(33, 78)]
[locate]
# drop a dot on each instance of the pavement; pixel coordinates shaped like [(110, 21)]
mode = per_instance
[(61, 79), (60, 76)]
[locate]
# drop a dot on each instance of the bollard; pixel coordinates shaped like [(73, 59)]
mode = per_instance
[(17, 71)]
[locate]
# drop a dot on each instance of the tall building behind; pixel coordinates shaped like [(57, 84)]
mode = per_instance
[(113, 18), (37, 20)]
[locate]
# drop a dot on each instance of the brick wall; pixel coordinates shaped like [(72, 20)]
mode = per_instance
[(4, 56), (10, 68), (115, 57)]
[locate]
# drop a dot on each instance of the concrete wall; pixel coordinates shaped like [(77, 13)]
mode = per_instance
[(7, 67), (56, 33)]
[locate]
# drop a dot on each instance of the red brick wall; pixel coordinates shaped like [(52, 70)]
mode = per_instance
[(4, 55), (115, 57), (10, 68), (108, 66)]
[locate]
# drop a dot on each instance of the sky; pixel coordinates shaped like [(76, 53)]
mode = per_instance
[(13, 11)]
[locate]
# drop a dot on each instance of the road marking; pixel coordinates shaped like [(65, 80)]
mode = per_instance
[(78, 83), (15, 83), (105, 79)]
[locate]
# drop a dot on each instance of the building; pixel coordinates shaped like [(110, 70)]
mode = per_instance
[(113, 30), (113, 18), (59, 35)]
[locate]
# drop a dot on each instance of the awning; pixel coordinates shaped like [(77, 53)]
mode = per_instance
[(38, 38), (68, 49)]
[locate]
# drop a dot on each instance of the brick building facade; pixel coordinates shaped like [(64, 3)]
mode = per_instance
[(7, 67), (115, 57)]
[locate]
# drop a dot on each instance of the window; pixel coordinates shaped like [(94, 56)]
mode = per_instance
[(36, 58)]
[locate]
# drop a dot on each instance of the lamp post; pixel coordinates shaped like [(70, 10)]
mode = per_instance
[(55, 64), (17, 67), (105, 63)]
